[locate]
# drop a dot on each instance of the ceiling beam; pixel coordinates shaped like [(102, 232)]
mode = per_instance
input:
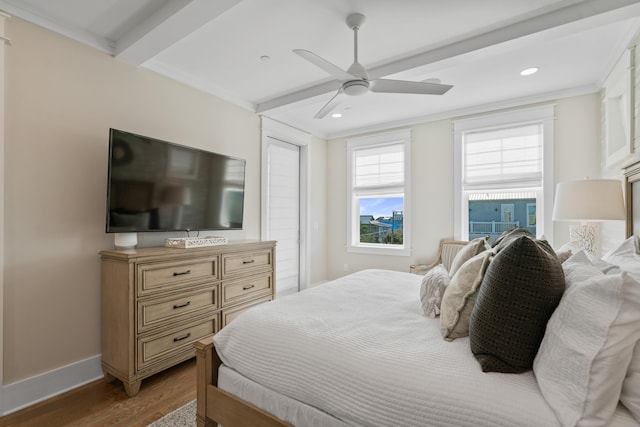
[(523, 27), (170, 24)]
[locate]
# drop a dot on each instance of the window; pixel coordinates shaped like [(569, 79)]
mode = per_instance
[(531, 214), (378, 188), (503, 173)]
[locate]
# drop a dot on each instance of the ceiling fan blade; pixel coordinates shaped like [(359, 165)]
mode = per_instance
[(327, 66), (333, 103), (405, 86)]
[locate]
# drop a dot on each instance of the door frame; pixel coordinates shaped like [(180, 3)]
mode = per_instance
[(281, 132)]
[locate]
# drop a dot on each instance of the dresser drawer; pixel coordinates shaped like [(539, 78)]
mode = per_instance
[(234, 291), (246, 262), (229, 314), (162, 346), (176, 307), (153, 277)]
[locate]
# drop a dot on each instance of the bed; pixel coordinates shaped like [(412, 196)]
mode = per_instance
[(359, 351)]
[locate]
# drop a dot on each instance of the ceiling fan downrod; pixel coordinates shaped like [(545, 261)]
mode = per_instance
[(356, 87)]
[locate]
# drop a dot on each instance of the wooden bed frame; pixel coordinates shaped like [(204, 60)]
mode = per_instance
[(217, 406)]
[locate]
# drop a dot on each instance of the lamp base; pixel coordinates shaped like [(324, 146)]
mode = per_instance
[(125, 240), (588, 235)]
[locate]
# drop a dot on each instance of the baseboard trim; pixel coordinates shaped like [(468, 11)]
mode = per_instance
[(41, 387)]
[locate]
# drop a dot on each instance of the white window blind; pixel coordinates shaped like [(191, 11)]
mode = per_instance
[(378, 169), (503, 158)]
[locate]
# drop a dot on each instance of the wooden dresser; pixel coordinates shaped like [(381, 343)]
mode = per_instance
[(156, 302)]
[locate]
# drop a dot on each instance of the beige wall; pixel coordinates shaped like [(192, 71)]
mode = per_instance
[(318, 211), (61, 100), (577, 146), (576, 154)]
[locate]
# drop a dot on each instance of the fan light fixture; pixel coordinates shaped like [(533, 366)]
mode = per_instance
[(355, 80), (356, 87)]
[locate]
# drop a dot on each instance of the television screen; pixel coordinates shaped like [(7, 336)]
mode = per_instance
[(155, 185)]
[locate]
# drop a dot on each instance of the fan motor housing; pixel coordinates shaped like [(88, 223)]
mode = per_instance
[(355, 87)]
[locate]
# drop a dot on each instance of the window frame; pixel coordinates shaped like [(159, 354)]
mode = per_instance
[(544, 203), (353, 214)]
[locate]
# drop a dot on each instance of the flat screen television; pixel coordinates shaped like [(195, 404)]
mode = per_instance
[(156, 185)]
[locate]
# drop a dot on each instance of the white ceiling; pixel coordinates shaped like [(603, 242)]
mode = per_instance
[(478, 46)]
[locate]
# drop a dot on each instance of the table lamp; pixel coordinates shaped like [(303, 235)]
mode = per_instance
[(588, 201)]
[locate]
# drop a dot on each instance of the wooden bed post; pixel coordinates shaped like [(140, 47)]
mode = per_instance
[(207, 374), (226, 408)]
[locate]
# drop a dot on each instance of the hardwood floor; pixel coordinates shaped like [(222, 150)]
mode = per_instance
[(106, 404)]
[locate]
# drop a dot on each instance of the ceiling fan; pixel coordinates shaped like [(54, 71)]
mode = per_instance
[(355, 81)]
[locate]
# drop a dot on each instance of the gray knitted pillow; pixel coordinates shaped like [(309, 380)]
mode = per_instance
[(520, 290)]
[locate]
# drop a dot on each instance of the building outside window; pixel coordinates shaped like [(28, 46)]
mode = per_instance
[(378, 171), (504, 166)]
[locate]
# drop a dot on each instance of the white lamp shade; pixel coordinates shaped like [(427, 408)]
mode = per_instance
[(589, 200)]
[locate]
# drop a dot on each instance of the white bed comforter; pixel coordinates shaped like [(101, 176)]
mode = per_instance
[(360, 349)]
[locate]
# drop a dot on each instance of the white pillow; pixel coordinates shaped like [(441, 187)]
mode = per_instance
[(460, 296), (630, 397), (626, 256), (584, 258), (568, 249), (473, 248), (588, 344), (433, 286)]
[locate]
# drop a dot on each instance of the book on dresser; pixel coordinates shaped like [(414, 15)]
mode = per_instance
[(156, 302)]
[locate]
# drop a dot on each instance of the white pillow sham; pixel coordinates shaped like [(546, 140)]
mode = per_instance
[(630, 396), (588, 344), (626, 256)]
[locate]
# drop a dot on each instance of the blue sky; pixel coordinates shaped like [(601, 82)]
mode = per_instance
[(381, 206)]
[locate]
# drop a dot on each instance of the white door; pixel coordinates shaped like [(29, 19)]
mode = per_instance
[(506, 212), (283, 212)]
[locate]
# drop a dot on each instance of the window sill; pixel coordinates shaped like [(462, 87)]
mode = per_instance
[(376, 250)]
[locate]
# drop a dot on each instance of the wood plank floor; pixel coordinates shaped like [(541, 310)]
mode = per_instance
[(106, 404)]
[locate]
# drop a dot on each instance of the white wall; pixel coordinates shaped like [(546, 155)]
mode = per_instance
[(576, 154)]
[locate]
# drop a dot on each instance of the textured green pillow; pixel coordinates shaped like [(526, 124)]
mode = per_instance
[(508, 236), (520, 290)]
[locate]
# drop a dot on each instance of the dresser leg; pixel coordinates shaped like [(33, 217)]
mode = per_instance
[(132, 388), (108, 377)]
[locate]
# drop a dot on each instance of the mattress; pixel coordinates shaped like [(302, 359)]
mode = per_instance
[(358, 351)]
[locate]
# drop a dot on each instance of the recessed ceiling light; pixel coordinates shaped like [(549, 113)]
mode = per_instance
[(265, 57), (529, 71), (336, 115)]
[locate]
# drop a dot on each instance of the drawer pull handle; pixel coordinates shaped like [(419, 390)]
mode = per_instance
[(177, 306), (249, 262), (182, 273), (246, 288), (184, 337)]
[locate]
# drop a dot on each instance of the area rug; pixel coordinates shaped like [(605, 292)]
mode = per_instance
[(184, 416)]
